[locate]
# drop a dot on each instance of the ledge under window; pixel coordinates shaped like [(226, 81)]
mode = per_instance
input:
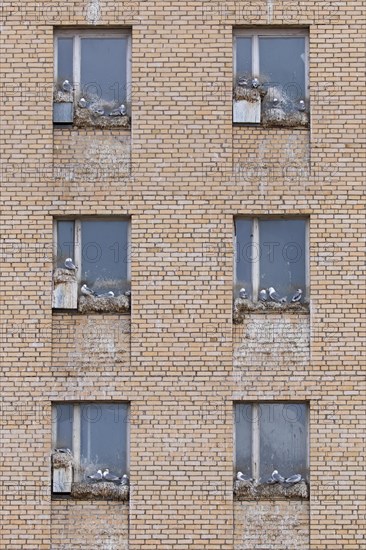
[(246, 490)]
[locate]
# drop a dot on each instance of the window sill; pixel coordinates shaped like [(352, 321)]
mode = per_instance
[(245, 490), (243, 306), (105, 491)]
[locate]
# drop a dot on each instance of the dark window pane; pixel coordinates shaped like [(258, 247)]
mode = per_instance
[(64, 423), (243, 429), (244, 255), (283, 439), (65, 241), (103, 69), (282, 62), (104, 437), (243, 56), (282, 255), (64, 59), (105, 255)]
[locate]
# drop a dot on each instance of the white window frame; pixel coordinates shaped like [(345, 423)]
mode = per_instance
[(275, 32), (256, 243), (78, 244), (76, 430), (77, 34), (255, 458)]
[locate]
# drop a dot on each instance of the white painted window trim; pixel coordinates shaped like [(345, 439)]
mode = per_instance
[(255, 248), (77, 35), (274, 32)]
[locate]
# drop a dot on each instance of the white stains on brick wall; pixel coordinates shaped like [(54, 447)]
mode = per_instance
[(93, 12), (271, 525)]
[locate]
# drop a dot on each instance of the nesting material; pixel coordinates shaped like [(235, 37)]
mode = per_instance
[(59, 96), (247, 93), (100, 490), (86, 118), (62, 460), (104, 304), (61, 275), (244, 490), (280, 110), (243, 306)]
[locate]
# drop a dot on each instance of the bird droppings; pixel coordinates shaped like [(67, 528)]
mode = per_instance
[(249, 94), (244, 305), (86, 118), (61, 275), (104, 304), (100, 490), (279, 110), (62, 460), (245, 490)]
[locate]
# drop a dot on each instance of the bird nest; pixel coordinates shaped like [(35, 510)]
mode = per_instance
[(99, 490), (244, 305), (61, 275), (284, 113), (59, 96), (62, 460), (246, 490), (86, 118), (104, 304), (249, 94)]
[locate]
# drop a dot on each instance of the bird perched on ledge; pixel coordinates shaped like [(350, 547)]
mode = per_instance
[(69, 264), (87, 291)]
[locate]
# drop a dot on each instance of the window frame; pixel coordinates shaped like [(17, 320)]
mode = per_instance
[(77, 34), (76, 430), (255, 272), (78, 244), (255, 434), (275, 32)]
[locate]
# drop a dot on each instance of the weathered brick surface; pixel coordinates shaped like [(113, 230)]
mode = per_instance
[(182, 195), (271, 525), (96, 525)]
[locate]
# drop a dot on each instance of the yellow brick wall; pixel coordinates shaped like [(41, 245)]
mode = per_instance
[(185, 187)]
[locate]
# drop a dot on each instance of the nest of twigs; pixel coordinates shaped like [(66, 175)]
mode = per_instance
[(249, 94), (281, 111), (244, 305), (246, 490), (86, 118), (62, 460), (61, 275), (104, 304), (102, 490)]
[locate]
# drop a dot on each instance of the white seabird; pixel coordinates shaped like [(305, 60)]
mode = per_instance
[(87, 291), (263, 296), (255, 83), (83, 103), (275, 297), (302, 106), (297, 296), (109, 294), (241, 477), (125, 480), (243, 293), (66, 86), (69, 264), (110, 477), (63, 450), (276, 477), (96, 477), (296, 478)]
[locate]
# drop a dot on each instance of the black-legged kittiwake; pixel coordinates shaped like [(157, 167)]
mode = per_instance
[(69, 264), (66, 86), (297, 296), (276, 477), (109, 476), (275, 297), (109, 294), (96, 477), (302, 106), (83, 103), (125, 480), (255, 83), (263, 296), (243, 293), (63, 450), (296, 478), (87, 291)]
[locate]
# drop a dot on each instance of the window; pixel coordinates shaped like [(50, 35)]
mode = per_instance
[(271, 436), (99, 248), (96, 435), (92, 72), (271, 253), (270, 77)]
